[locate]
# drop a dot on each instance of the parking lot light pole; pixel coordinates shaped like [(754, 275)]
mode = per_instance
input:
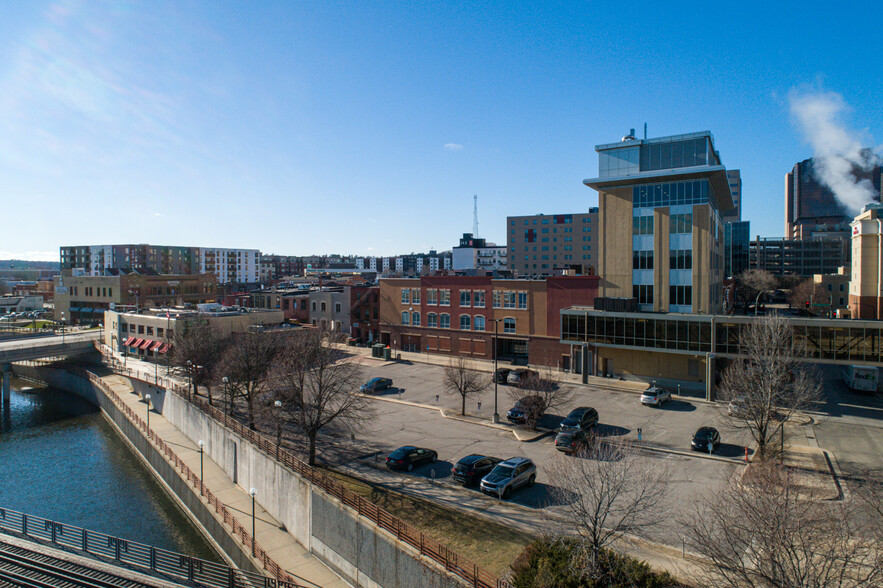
[(252, 492), (201, 453), (496, 412), (147, 399)]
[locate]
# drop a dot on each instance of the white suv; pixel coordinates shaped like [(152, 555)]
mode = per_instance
[(655, 396)]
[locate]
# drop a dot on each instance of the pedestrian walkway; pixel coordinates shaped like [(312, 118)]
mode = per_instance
[(270, 534)]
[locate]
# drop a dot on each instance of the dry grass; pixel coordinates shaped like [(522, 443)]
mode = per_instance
[(491, 546)]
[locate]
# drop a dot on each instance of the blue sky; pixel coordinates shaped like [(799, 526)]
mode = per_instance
[(365, 128)]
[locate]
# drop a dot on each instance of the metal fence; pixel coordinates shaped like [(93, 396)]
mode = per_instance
[(427, 546), (170, 564)]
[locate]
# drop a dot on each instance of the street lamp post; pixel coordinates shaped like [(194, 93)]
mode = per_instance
[(201, 453), (225, 379), (189, 376), (62, 327), (252, 492), (147, 399), (278, 405), (496, 333)]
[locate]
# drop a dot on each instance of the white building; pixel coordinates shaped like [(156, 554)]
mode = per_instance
[(475, 253)]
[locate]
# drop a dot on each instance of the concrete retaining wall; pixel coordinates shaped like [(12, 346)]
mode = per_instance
[(355, 548)]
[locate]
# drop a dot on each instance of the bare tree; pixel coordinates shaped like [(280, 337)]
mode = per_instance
[(460, 379), (771, 384), (197, 351), (538, 394), (317, 385), (761, 531), (603, 492), (753, 283), (246, 364), (805, 294)]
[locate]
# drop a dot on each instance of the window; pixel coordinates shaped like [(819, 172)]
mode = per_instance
[(508, 325), (522, 300), (465, 298), (642, 260), (642, 225), (406, 318), (432, 296), (465, 322), (432, 320), (406, 296), (323, 307), (445, 297), (681, 223), (337, 307), (478, 298), (415, 296), (150, 330), (478, 323), (681, 259), (509, 298), (415, 319), (444, 321), (643, 293), (682, 295), (498, 296)]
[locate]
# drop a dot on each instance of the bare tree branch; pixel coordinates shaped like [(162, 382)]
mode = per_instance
[(771, 384), (460, 379), (246, 363), (197, 342), (539, 394)]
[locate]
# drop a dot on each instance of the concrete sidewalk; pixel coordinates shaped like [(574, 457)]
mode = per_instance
[(270, 534)]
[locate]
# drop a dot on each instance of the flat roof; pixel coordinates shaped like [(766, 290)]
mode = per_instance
[(716, 174)]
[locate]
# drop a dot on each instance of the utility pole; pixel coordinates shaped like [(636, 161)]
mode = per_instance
[(475, 215)]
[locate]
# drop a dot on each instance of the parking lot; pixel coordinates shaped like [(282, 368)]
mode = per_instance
[(398, 423)]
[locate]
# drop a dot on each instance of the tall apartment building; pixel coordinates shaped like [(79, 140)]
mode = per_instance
[(552, 244), (737, 244), (812, 210), (474, 253), (866, 283), (228, 265), (660, 233), (798, 257)]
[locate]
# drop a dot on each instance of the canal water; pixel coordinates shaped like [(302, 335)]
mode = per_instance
[(61, 460)]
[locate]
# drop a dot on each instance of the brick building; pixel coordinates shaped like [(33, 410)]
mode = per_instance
[(457, 315)]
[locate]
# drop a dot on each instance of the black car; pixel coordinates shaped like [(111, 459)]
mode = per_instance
[(583, 417), (408, 457), (520, 376), (572, 440), (472, 468), (518, 413), (501, 375), (705, 436)]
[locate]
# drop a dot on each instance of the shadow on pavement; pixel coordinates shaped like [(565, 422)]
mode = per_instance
[(549, 421), (391, 391), (678, 406), (602, 430), (732, 450), (441, 468), (539, 496)]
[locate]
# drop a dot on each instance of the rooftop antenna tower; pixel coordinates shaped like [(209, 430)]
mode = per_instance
[(475, 215), (645, 131)]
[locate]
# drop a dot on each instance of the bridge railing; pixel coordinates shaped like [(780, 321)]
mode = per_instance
[(426, 545), (170, 564)]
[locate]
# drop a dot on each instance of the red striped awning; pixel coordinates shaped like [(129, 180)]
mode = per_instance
[(136, 343), (128, 341), (165, 347), (145, 344), (155, 345)]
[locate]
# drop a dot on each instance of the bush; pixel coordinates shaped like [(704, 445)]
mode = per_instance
[(554, 563)]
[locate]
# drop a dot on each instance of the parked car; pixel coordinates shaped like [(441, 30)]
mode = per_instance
[(508, 476), (583, 417), (409, 457), (519, 376), (375, 385), (572, 440), (703, 437), (655, 396), (501, 375), (472, 468), (518, 413)]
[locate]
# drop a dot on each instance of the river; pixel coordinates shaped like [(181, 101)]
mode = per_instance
[(60, 459)]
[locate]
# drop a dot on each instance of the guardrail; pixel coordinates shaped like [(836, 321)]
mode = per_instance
[(427, 546), (200, 572)]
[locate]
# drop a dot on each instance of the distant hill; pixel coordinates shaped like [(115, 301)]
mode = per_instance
[(22, 264)]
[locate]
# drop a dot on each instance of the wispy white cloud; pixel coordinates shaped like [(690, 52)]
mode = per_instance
[(453, 146), (838, 150)]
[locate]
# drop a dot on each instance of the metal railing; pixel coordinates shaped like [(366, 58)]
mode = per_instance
[(427, 546), (170, 564)]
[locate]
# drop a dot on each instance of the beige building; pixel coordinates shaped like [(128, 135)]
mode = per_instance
[(659, 231), (151, 333), (85, 298), (832, 290), (866, 285)]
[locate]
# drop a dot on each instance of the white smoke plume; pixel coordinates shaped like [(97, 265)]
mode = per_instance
[(837, 149)]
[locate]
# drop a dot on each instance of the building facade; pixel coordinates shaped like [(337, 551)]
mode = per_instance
[(553, 244), (866, 284), (474, 253), (734, 178), (737, 243), (472, 315), (85, 298), (228, 265), (660, 233), (812, 210), (798, 257)]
